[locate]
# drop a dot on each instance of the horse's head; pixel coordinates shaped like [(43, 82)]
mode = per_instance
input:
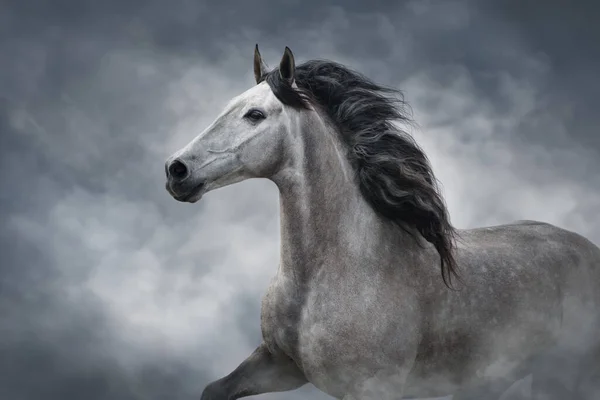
[(247, 139)]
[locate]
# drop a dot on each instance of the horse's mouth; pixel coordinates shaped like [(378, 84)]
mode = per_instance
[(191, 196)]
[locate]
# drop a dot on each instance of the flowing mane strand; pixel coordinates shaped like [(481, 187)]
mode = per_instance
[(393, 172)]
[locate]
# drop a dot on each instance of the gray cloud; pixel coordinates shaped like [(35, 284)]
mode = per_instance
[(110, 289)]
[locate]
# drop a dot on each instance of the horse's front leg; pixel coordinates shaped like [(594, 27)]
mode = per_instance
[(262, 372)]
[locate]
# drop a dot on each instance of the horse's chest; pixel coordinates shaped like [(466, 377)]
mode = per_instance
[(344, 334), (280, 318)]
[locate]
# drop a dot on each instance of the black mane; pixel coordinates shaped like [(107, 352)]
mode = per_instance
[(393, 172)]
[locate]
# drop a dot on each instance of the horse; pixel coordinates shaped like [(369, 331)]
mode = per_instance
[(377, 295)]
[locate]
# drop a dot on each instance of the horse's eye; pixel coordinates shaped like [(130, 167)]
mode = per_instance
[(255, 115)]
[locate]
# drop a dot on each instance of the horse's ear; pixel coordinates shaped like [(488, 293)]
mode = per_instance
[(260, 68), (287, 66)]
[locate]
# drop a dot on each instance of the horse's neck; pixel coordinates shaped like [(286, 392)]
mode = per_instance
[(322, 209)]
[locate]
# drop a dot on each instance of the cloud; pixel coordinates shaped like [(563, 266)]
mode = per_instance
[(110, 289), (518, 180)]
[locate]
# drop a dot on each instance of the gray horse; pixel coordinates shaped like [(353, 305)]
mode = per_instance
[(358, 306)]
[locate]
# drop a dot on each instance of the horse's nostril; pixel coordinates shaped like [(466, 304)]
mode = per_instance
[(178, 170)]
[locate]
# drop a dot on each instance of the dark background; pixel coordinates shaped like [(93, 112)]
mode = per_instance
[(109, 289)]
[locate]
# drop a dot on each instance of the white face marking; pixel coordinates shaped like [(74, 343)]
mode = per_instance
[(261, 98), (235, 146)]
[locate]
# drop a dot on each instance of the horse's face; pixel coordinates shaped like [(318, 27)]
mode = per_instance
[(245, 141)]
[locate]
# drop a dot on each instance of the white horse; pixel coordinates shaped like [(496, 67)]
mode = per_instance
[(357, 306)]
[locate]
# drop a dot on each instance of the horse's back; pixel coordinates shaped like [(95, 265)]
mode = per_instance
[(538, 255), (523, 283), (532, 245), (551, 277)]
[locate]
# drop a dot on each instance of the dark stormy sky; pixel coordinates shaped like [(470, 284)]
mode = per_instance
[(110, 289)]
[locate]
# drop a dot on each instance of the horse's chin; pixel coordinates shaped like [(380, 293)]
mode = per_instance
[(191, 197), (194, 198)]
